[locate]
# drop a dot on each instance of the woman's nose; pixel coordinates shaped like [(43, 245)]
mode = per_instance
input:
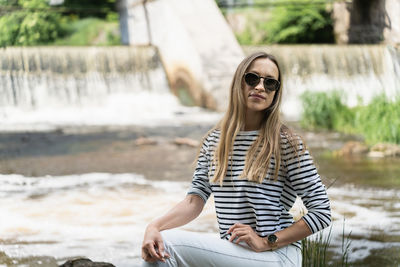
[(260, 85)]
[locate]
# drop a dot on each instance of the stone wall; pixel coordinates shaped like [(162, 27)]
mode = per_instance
[(198, 49)]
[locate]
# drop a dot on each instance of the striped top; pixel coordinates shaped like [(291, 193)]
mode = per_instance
[(265, 207)]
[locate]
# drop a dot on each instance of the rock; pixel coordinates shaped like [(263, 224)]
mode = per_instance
[(385, 150), (186, 141), (84, 262), (141, 141), (352, 148), (376, 154)]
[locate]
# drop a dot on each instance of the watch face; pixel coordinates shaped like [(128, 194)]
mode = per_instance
[(272, 238)]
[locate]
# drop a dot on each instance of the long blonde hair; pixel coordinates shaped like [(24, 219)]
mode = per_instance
[(267, 144)]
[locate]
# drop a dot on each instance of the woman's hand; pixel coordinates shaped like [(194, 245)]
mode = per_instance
[(243, 232), (153, 246)]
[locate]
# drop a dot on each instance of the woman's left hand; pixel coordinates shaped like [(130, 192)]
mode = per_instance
[(243, 232)]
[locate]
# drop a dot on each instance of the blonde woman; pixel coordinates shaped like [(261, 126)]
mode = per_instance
[(255, 167)]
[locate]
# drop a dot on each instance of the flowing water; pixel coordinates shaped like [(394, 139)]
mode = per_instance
[(43, 89), (100, 212), (97, 215), (360, 72), (102, 216)]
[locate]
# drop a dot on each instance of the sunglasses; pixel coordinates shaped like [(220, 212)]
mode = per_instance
[(252, 79)]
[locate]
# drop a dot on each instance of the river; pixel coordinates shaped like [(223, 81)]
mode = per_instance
[(103, 189), (74, 183)]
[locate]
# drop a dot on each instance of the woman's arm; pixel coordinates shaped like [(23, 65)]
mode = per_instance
[(293, 233), (242, 232), (302, 180), (184, 212), (181, 214)]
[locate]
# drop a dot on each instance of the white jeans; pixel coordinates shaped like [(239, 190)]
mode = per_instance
[(199, 249)]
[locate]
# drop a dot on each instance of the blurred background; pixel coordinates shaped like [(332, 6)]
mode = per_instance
[(103, 105)]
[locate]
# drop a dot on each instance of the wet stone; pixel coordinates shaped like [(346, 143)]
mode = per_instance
[(385, 150), (352, 148), (186, 141), (84, 262), (143, 141)]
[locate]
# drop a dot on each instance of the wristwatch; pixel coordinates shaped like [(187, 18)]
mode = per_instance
[(272, 241)]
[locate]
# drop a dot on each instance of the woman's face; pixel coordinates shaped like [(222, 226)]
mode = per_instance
[(257, 97)]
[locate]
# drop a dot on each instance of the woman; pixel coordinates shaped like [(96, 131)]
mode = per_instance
[(255, 167)]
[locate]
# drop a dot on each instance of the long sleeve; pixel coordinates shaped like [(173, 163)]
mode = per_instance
[(200, 184), (305, 181)]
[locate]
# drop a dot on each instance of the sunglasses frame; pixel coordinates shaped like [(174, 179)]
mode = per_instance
[(278, 84)]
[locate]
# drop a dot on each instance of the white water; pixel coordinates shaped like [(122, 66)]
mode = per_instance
[(103, 216), (48, 88), (359, 72), (98, 215), (123, 109)]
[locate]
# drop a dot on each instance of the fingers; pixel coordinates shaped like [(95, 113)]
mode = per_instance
[(161, 251), (147, 257), (236, 226), (239, 235), (245, 239), (149, 253)]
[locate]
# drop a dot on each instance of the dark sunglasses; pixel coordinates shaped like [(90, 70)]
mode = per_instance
[(252, 79)]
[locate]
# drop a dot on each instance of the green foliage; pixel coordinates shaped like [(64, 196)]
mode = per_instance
[(379, 121), (315, 250), (324, 110), (34, 22), (286, 21), (31, 24), (84, 9), (91, 31), (254, 32), (300, 23)]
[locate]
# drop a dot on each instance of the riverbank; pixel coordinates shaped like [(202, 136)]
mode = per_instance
[(101, 149), (70, 173)]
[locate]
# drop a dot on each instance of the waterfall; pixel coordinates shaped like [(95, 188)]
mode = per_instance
[(359, 71), (128, 85), (47, 88), (52, 76)]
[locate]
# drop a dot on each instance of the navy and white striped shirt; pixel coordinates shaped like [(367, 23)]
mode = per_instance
[(263, 206)]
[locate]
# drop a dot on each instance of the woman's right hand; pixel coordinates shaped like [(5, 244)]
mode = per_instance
[(153, 246)]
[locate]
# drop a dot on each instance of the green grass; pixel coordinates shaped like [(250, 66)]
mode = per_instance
[(315, 250), (379, 121), (90, 31), (254, 31)]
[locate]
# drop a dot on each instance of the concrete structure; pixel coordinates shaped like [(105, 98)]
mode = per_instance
[(367, 21), (197, 47)]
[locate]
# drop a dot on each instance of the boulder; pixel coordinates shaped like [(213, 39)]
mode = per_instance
[(186, 141), (384, 150), (142, 141), (84, 262), (352, 148)]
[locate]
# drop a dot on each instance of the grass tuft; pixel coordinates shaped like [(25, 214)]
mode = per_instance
[(379, 121), (315, 250)]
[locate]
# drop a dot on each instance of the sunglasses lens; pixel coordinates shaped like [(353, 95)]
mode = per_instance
[(271, 84), (251, 79)]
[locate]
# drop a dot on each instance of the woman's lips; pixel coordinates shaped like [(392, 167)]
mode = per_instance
[(257, 96)]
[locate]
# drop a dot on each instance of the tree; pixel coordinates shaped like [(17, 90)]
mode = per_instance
[(303, 21), (29, 22)]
